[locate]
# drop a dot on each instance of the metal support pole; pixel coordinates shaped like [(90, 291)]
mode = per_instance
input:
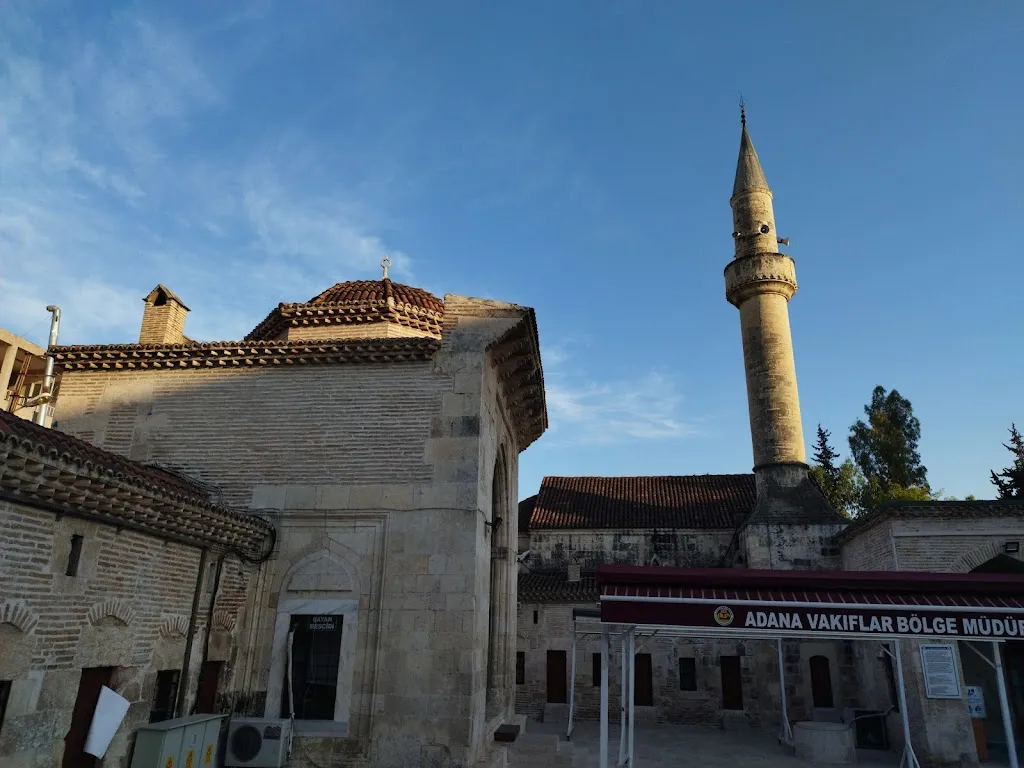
[(572, 682), (909, 759), (605, 642), (1004, 705), (632, 687), (786, 736), (623, 678)]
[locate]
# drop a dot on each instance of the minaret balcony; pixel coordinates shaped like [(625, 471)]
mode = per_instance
[(758, 273)]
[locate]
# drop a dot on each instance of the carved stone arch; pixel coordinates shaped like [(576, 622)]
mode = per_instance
[(327, 566), (977, 556), (223, 621), (114, 608), (499, 617), (17, 615), (174, 627)]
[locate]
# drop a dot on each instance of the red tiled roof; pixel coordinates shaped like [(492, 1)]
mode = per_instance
[(366, 291), (525, 510), (686, 501), (555, 587)]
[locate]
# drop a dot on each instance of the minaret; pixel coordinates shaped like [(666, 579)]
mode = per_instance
[(760, 281)]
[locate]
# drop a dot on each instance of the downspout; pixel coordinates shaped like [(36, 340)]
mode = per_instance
[(179, 705), (209, 623), (39, 415)]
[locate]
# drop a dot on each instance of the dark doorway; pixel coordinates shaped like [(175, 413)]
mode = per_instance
[(165, 696), (821, 682), (89, 685), (316, 653), (557, 688), (643, 681), (209, 684), (732, 682)]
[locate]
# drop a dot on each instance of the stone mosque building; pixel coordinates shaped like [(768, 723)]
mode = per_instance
[(318, 524)]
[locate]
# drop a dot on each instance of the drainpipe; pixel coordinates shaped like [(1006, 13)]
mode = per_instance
[(209, 623), (39, 416), (179, 705)]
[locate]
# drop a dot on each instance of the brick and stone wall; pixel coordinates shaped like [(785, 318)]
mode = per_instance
[(379, 479), (681, 548), (128, 607), (792, 547)]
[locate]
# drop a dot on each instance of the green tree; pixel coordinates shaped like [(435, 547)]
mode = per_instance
[(885, 450), (840, 484), (1010, 482)]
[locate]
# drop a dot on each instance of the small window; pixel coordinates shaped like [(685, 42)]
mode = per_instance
[(166, 695), (687, 674), (595, 664), (74, 556), (643, 681), (5, 692), (536, 616), (520, 668)]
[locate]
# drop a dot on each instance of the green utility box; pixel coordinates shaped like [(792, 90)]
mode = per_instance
[(185, 742)]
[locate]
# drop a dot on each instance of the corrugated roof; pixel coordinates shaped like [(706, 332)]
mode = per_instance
[(683, 501)]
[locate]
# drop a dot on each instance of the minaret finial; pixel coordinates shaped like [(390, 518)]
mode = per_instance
[(385, 263), (743, 112)]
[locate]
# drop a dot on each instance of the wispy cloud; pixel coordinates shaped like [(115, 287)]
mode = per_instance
[(647, 406), (104, 190)]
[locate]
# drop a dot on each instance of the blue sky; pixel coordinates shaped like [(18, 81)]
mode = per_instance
[(574, 156)]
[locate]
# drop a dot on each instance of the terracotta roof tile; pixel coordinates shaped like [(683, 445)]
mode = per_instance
[(365, 291), (555, 587), (687, 501), (525, 510)]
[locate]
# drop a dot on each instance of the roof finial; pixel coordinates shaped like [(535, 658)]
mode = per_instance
[(743, 112), (385, 263)]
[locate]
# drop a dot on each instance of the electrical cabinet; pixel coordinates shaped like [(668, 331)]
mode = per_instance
[(185, 742)]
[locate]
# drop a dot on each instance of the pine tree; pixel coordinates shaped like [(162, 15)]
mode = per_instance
[(885, 448), (1010, 482), (839, 483), (824, 456)]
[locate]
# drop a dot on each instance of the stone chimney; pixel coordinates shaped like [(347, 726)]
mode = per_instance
[(163, 319), (574, 572)]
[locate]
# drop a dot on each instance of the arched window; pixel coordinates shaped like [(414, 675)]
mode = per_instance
[(821, 682), (499, 603)]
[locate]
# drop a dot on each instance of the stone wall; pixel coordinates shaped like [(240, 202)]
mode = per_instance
[(792, 547), (703, 706), (379, 478), (128, 608), (629, 546)]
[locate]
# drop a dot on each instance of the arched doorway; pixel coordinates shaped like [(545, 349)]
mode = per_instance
[(821, 683), (498, 608)]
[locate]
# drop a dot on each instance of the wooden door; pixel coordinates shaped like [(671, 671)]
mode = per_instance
[(821, 682), (557, 688), (732, 682), (643, 682), (89, 685), (206, 695)]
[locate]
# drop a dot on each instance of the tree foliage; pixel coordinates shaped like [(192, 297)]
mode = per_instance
[(840, 484), (1010, 482), (885, 450)]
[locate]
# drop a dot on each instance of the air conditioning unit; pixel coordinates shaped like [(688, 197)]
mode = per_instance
[(256, 742)]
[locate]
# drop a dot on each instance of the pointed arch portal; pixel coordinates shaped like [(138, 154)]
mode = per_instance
[(641, 601)]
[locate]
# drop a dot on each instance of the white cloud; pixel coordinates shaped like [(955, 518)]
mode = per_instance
[(644, 407), (98, 203)]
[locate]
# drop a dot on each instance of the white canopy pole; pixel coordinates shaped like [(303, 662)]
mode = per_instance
[(572, 681), (632, 687), (623, 648), (786, 737), (909, 759), (1004, 705), (605, 642)]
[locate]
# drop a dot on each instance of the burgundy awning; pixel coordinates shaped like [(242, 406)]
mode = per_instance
[(816, 603)]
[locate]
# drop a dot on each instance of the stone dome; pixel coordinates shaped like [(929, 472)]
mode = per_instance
[(356, 309)]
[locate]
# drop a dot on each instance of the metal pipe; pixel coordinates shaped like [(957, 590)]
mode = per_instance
[(179, 705), (603, 752), (633, 680), (39, 416), (1004, 706), (623, 679), (787, 734), (909, 757), (209, 626), (572, 682)]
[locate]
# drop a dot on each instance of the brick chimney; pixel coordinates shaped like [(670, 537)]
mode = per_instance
[(163, 319)]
